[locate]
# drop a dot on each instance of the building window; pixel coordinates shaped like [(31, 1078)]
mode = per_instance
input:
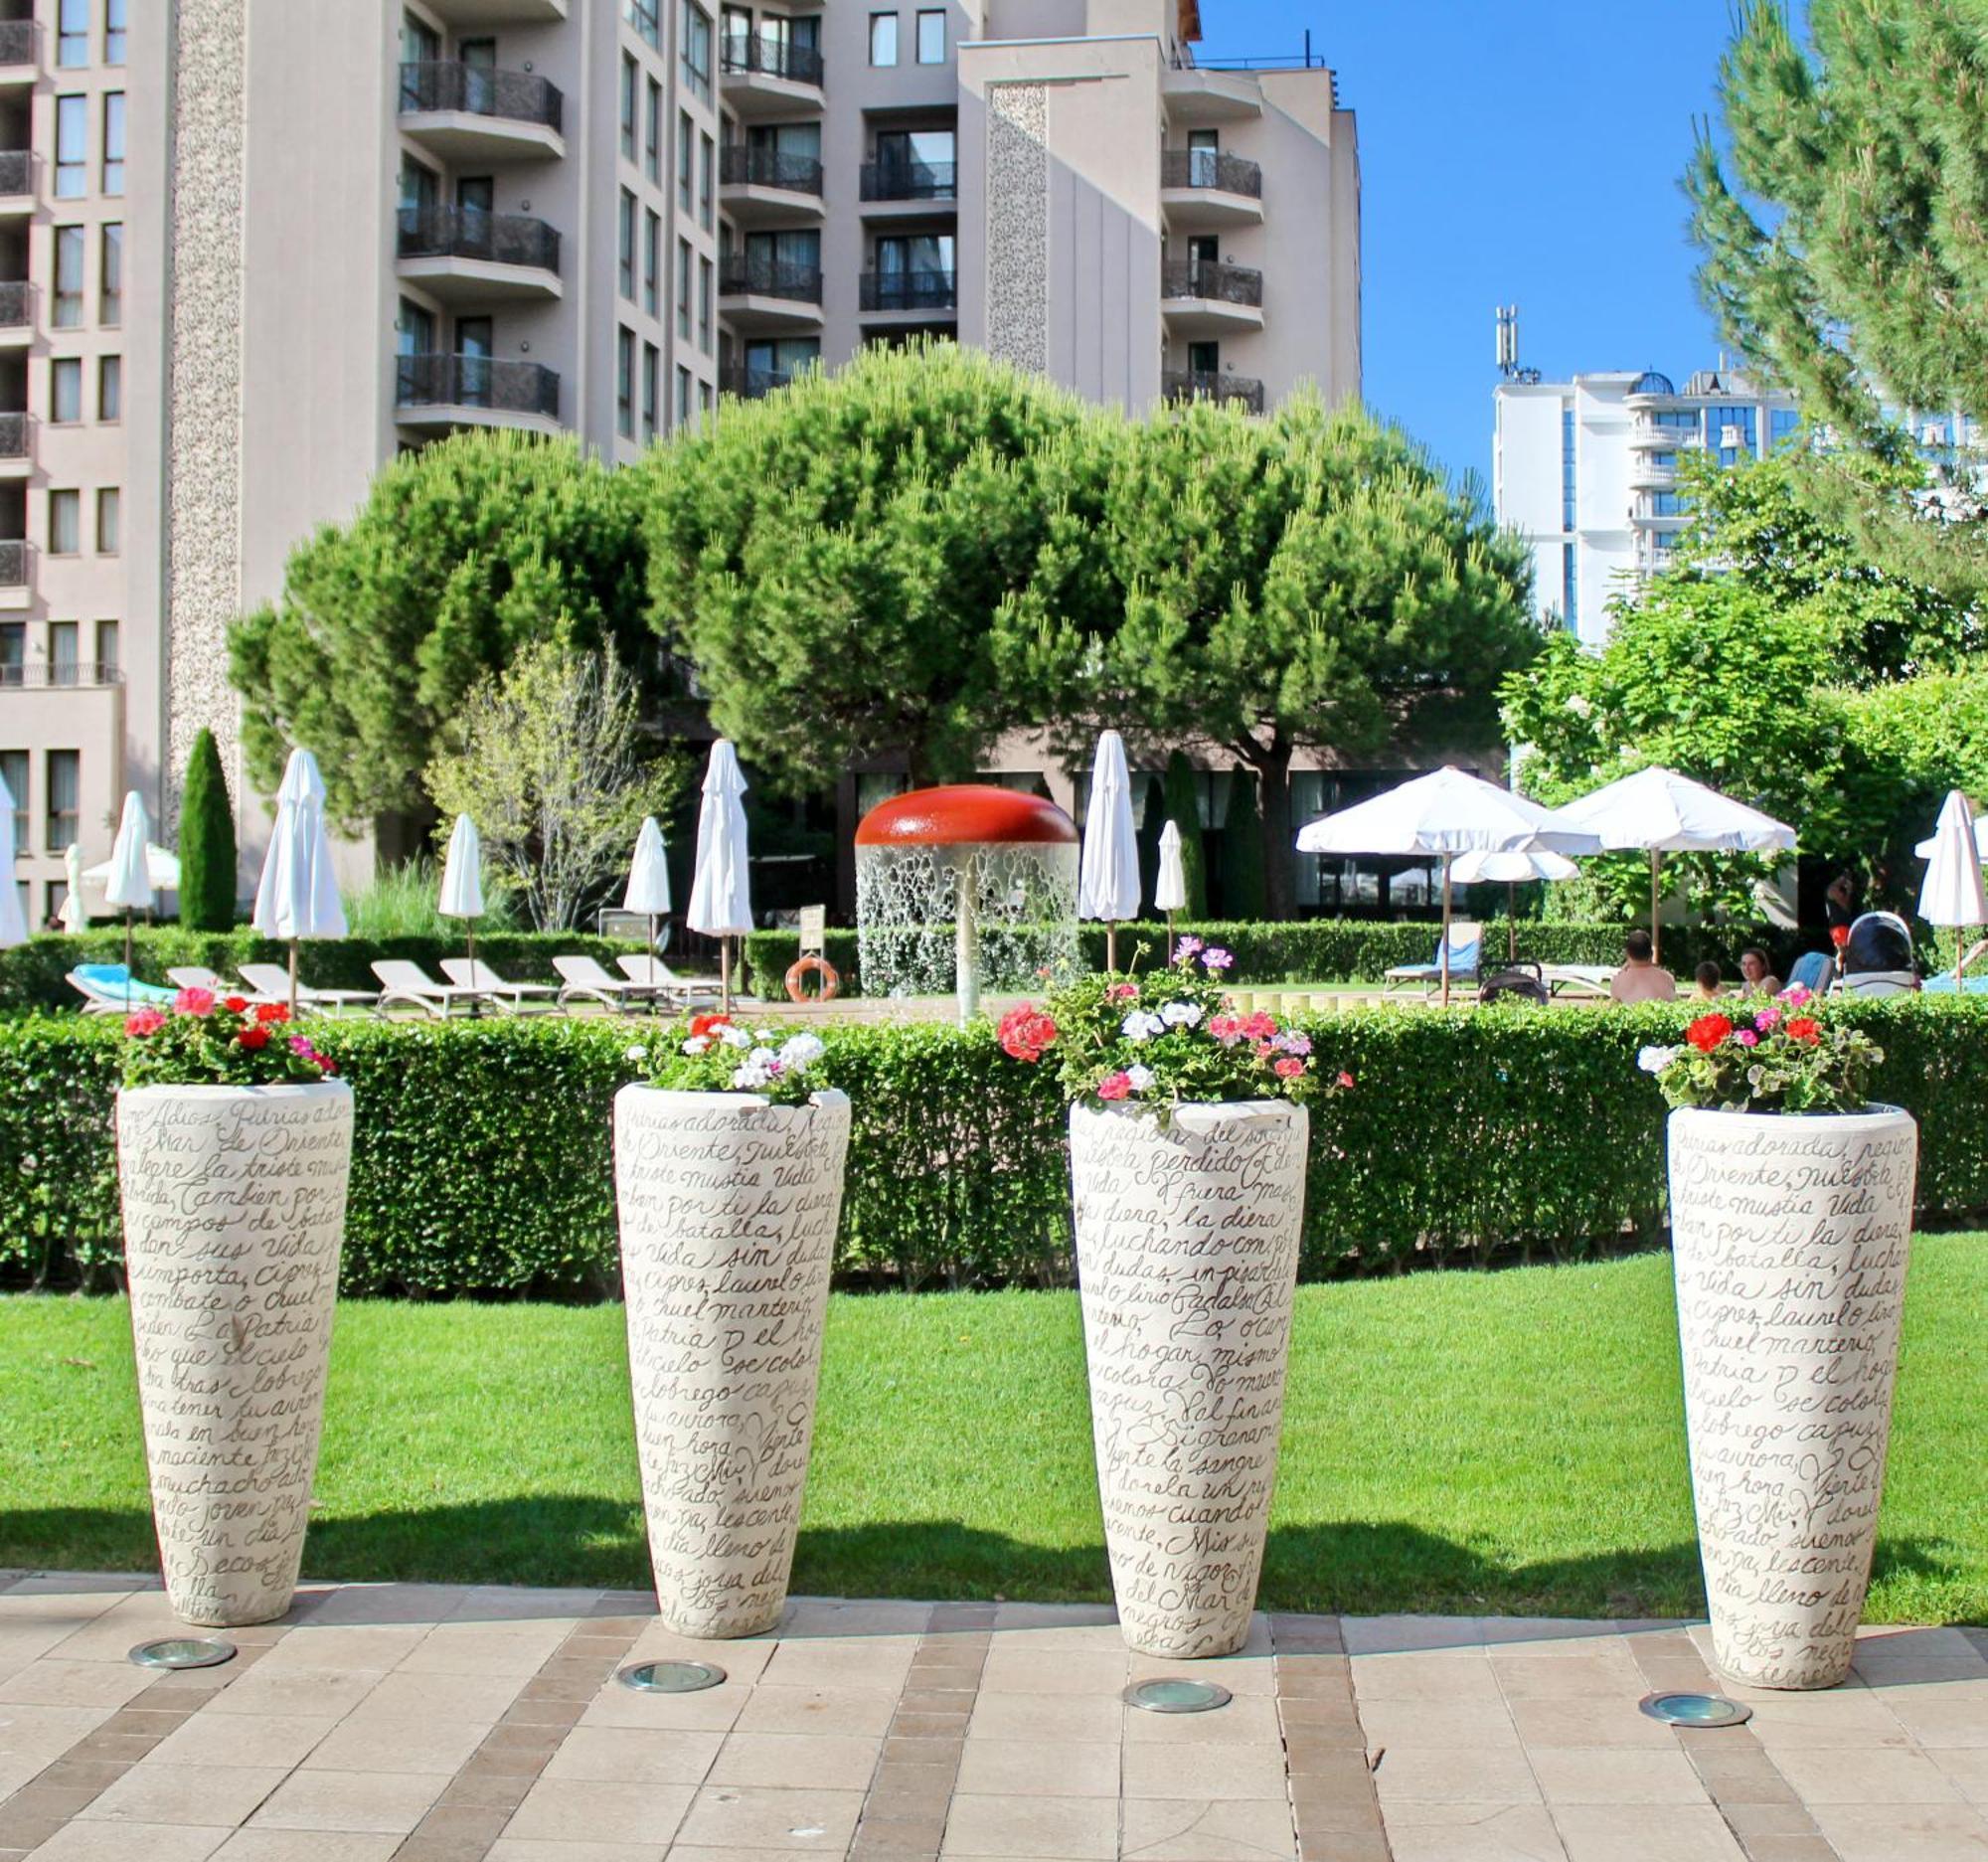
[(883, 39), (644, 17), (652, 265), (109, 520), (110, 278), (628, 242), (73, 34), (65, 523), (932, 36), (652, 389), (14, 767), (1570, 589), (114, 142), (697, 50), (113, 32), (64, 774), (704, 305), (683, 395), (1567, 487), (1669, 504), (110, 388), (624, 383), (631, 92), (13, 658), (69, 278), (703, 401), (707, 161), (683, 289), (64, 640), (1782, 425), (652, 134), (107, 634), (72, 147), (66, 389), (686, 142)]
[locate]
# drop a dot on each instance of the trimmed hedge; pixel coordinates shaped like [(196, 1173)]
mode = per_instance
[(1325, 950), (483, 1153), (30, 975)]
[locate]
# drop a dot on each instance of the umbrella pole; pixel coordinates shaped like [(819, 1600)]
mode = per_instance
[(1445, 930), (127, 957), (723, 974), (475, 1007), (1170, 936), (1656, 946), (293, 979), (966, 950), (1511, 921), (1112, 947), (655, 995)]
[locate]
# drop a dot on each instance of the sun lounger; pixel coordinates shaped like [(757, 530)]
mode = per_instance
[(586, 980), (474, 973), (1466, 945), (406, 982), (108, 989), (653, 973), (1580, 979), (194, 977), (273, 981)]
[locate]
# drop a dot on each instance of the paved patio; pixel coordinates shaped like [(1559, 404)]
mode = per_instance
[(438, 1724)]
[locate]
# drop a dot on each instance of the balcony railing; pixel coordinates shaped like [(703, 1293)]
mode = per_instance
[(14, 435), (910, 291), (763, 277), (1210, 168), (1200, 384), (476, 90), (911, 180), (17, 300), (17, 171), (1210, 277), (14, 558), (471, 232), (17, 42), (444, 381), (754, 54), (61, 673), (753, 383), (741, 166)]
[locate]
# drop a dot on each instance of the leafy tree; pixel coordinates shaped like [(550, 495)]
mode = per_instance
[(1182, 802), (1244, 891), (832, 558), (462, 554), (548, 758), (1307, 579), (1918, 739), (206, 841), (1845, 252)]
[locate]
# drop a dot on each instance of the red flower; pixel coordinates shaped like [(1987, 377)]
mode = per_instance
[(1025, 1032), (1805, 1029), (707, 1024), (1346, 1081), (1123, 993), (235, 1005), (1288, 1067), (1708, 1032), (1115, 1087), (272, 1012), (254, 1036)]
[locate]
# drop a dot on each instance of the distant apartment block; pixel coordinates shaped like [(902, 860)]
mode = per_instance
[(239, 268)]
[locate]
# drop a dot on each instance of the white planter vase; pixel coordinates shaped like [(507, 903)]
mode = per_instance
[(1187, 1250), (1789, 1237), (233, 1215), (728, 1210)]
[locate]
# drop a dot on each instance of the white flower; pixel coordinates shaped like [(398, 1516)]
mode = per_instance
[(1140, 1076), (1181, 1014), (635, 1053), (751, 1078), (762, 1057), (1578, 704), (802, 1050), (1655, 1060), (698, 1044), (1142, 1025), (735, 1037)]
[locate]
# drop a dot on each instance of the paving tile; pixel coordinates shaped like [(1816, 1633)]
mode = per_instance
[(53, 1682), (1159, 1830), (503, 1603), (1869, 1778), (743, 1660), (635, 1755), (295, 1689), (854, 1663), (1933, 1720), (1531, 1676), (1473, 1832), (799, 1760), (1453, 1774), (1645, 1833), (1394, 1635), (1616, 1721), (1393, 1723), (1449, 1677), (1046, 1716), (1904, 1833), (711, 1709), (1207, 1773), (723, 1816), (373, 1739), (443, 1696), (1251, 1718), (41, 1734), (530, 1849), (218, 1796), (345, 1648), (1608, 1775), (1095, 1672), (476, 1649), (121, 1842), (1045, 1767), (1967, 1767), (1071, 1829), (278, 1739), (382, 1803)]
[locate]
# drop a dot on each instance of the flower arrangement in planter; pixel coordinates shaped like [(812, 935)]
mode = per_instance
[(1187, 1133), (729, 1164), (233, 1148), (1792, 1204)]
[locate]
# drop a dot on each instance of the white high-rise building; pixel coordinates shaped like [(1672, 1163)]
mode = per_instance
[(1586, 471)]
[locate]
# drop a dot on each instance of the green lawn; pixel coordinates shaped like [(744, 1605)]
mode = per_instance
[(1456, 1441)]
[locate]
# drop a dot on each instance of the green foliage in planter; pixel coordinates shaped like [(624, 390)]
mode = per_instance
[(484, 1158), (207, 842)]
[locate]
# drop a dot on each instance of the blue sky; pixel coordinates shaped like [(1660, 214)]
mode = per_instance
[(1512, 151)]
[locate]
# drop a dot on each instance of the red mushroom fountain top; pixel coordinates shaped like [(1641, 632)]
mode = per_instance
[(980, 815)]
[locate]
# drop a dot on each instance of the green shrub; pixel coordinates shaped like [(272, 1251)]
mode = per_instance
[(482, 1162), (403, 902), (1245, 885), (206, 841), (1182, 807)]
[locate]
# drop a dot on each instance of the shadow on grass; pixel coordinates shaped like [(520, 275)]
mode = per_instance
[(1358, 1568)]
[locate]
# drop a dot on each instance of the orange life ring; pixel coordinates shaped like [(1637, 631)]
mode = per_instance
[(831, 982)]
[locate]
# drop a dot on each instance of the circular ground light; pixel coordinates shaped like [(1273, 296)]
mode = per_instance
[(670, 1677), (1174, 1695), (1695, 1710), (184, 1651)]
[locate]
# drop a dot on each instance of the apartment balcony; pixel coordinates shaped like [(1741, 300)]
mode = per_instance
[(753, 383), (16, 431), (1646, 475), (1204, 190), (17, 182), (1208, 297), (443, 391), (17, 558), (462, 256), (60, 675), (759, 295), (764, 76), (759, 185), (466, 113), (499, 12), (910, 294), (909, 184), (1198, 385), (17, 313), (1196, 99), (17, 51)]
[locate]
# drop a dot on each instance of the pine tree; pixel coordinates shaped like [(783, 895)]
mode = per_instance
[(206, 841), (1243, 892), (1183, 808)]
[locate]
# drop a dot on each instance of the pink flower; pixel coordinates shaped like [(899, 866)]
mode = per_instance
[(1294, 1043), (1217, 959), (1288, 1067), (1767, 1020), (142, 1022), (1228, 1029), (1121, 993), (1747, 1037), (1346, 1081), (1115, 1087), (194, 1002), (1261, 1026), (1186, 948), (1264, 1050), (1795, 994)]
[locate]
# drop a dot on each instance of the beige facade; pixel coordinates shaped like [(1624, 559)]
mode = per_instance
[(343, 228)]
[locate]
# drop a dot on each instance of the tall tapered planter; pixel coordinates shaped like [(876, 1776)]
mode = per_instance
[(1791, 1238), (729, 1209), (234, 1216), (1187, 1248)]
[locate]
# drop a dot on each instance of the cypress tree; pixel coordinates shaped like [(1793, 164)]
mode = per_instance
[(1243, 892), (1152, 817), (206, 841), (1183, 808)]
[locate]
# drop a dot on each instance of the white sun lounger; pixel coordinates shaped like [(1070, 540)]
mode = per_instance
[(273, 981), (193, 976), (584, 978), (653, 973), (405, 981), (474, 973)]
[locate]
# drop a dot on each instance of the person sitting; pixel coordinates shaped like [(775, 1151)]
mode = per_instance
[(1642, 978), (1877, 958), (1755, 974), (1709, 978)]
